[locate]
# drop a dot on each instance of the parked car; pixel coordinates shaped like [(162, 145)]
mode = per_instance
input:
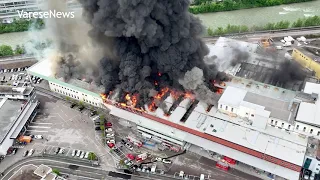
[(97, 128), (111, 141), (129, 146), (82, 154), (14, 151), (73, 105), (110, 135), (74, 152), (80, 108), (130, 156), (166, 161), (97, 123), (86, 155), (61, 151), (92, 113), (159, 159), (38, 137), (123, 141), (110, 145), (108, 124), (31, 152), (117, 151), (25, 153), (56, 151), (109, 130), (78, 153), (181, 174)]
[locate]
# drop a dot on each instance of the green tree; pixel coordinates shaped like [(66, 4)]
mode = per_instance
[(92, 156), (56, 171), (67, 98), (19, 50), (210, 32), (6, 50), (298, 23)]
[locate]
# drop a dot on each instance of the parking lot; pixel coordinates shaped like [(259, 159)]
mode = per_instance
[(64, 127), (17, 77)]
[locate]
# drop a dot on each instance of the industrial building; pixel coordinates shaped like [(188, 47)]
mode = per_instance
[(255, 123), (307, 59), (17, 110)]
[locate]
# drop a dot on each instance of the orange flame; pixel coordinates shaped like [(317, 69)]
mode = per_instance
[(123, 104), (219, 91), (128, 98)]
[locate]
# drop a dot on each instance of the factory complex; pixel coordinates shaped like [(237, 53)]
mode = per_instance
[(255, 120)]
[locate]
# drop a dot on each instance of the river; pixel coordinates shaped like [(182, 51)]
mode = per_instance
[(261, 16), (249, 17)]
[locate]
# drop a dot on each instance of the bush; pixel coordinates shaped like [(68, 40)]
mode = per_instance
[(56, 171), (19, 50), (205, 6), (92, 156), (6, 50)]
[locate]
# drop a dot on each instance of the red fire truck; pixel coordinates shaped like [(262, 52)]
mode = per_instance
[(171, 147), (229, 160), (223, 166), (135, 141)]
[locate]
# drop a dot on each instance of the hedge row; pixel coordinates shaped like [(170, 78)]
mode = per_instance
[(19, 25), (206, 6), (230, 29)]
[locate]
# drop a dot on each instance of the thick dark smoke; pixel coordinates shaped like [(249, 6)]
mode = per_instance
[(239, 56), (289, 71), (151, 37)]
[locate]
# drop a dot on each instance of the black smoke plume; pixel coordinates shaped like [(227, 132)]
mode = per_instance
[(289, 71), (150, 37)]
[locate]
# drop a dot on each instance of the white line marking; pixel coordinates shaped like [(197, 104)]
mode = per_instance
[(41, 123), (36, 131), (45, 127)]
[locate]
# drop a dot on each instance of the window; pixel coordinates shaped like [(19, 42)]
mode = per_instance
[(282, 124), (231, 109), (252, 115), (247, 113), (311, 130), (289, 126), (297, 127), (318, 133), (304, 129), (226, 108), (276, 123), (271, 121)]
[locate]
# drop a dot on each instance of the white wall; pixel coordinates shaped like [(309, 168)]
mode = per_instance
[(7, 142), (80, 96), (307, 129)]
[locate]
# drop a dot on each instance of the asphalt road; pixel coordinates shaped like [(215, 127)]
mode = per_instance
[(258, 36), (81, 170)]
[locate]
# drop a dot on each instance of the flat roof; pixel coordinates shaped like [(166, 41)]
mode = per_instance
[(9, 112), (310, 112), (15, 91), (43, 69), (42, 170), (278, 108), (232, 96)]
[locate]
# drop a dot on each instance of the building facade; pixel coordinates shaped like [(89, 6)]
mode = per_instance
[(307, 60)]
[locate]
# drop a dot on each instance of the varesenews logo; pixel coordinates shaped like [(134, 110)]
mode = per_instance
[(46, 14)]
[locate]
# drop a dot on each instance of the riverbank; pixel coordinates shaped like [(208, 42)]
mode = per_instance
[(230, 29), (207, 6)]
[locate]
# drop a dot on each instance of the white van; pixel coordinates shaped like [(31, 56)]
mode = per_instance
[(153, 169), (202, 177)]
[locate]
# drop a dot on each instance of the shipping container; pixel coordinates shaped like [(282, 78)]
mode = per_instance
[(26, 139)]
